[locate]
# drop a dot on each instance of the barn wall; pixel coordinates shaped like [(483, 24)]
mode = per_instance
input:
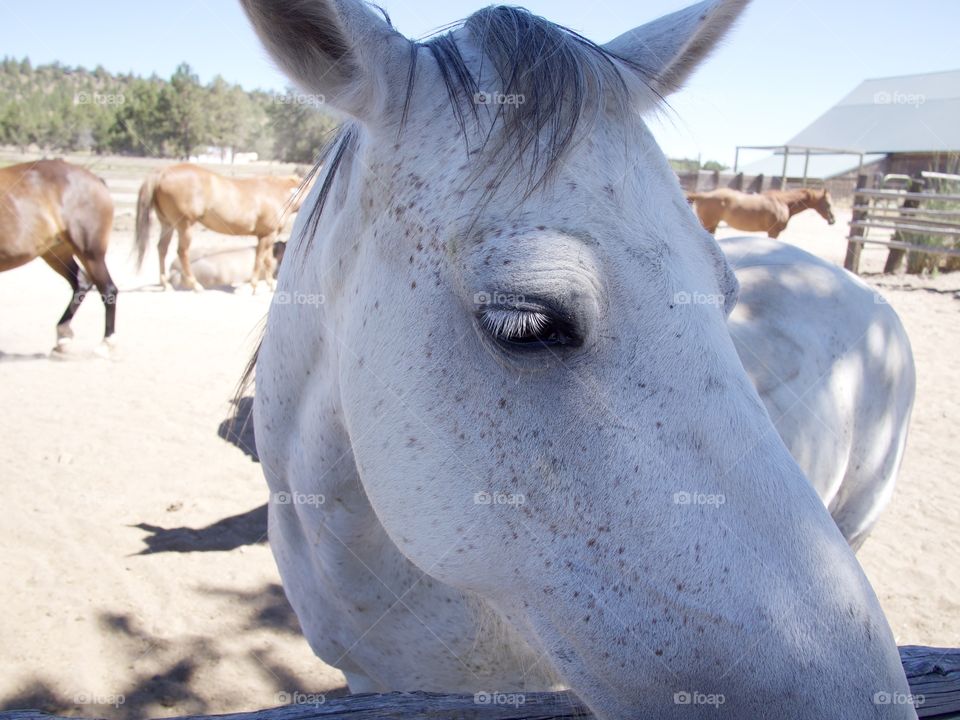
[(913, 164)]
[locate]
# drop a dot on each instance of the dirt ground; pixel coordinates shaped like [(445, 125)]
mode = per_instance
[(136, 578)]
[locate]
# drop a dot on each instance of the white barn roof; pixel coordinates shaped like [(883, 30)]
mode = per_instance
[(820, 166), (910, 113)]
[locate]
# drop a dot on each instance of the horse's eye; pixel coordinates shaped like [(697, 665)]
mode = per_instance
[(525, 328)]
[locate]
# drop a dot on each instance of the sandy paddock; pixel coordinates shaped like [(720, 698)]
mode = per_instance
[(136, 580)]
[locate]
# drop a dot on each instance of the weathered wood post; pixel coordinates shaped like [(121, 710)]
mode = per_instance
[(737, 182), (860, 204), (895, 255)]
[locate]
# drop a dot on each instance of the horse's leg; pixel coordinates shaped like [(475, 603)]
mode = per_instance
[(775, 231), (183, 252), (262, 268), (270, 264), (166, 235), (61, 260), (95, 263)]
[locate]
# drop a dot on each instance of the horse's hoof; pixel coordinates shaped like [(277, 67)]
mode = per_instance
[(63, 343), (63, 350), (106, 348), (197, 287)]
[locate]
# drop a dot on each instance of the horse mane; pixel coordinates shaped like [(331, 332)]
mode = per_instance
[(805, 193), (554, 75), (557, 75)]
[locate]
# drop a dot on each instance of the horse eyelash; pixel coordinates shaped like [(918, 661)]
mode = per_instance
[(513, 324)]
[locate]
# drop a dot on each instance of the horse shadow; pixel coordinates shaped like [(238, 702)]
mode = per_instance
[(238, 429), (158, 289), (230, 533), (22, 357)]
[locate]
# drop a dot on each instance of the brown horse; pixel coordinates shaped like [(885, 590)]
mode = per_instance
[(62, 213), (185, 194), (767, 212)]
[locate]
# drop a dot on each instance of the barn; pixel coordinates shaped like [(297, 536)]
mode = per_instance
[(885, 126)]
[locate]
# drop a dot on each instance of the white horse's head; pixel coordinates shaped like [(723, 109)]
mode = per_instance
[(522, 356)]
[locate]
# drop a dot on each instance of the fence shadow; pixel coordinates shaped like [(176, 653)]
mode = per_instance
[(161, 673)]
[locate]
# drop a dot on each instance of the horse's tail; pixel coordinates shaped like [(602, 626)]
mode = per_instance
[(144, 206)]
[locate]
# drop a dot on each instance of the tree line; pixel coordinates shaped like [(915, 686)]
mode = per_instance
[(59, 108)]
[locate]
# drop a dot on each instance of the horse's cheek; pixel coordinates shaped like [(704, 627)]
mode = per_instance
[(415, 425)]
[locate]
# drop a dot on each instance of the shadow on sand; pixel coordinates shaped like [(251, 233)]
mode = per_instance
[(165, 675), (249, 528), (238, 429)]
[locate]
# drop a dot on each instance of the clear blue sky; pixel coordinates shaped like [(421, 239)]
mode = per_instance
[(786, 63)]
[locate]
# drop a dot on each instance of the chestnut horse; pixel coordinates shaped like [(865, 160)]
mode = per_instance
[(185, 194), (768, 212), (62, 213)]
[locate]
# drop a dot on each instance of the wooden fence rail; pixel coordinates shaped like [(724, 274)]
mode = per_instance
[(905, 214), (933, 674)]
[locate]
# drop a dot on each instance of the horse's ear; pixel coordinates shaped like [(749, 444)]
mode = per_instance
[(342, 50), (668, 50)]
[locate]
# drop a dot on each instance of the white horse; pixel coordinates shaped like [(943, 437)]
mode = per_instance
[(509, 432)]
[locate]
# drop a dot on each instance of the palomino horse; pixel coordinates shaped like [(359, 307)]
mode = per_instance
[(185, 194), (767, 212), (515, 446), (62, 213)]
